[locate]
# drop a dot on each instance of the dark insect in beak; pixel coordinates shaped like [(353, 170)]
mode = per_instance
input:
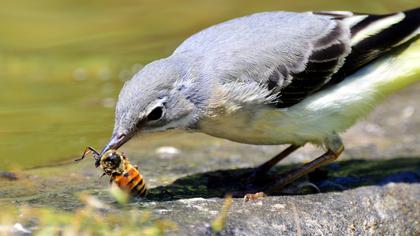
[(96, 156), (113, 159)]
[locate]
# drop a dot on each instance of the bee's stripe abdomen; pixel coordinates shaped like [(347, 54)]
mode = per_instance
[(131, 180), (133, 177), (136, 183), (125, 181), (140, 189)]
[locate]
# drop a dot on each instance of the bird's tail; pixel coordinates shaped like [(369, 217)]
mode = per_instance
[(397, 33), (406, 33), (378, 33), (373, 36), (412, 54)]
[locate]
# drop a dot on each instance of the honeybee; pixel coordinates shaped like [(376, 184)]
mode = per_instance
[(116, 165)]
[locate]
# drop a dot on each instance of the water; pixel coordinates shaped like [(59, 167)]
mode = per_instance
[(62, 63)]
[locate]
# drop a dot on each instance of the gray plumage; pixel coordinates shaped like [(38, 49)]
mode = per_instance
[(225, 75), (265, 47)]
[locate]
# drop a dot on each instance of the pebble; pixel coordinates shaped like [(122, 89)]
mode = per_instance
[(15, 229), (279, 206), (167, 152)]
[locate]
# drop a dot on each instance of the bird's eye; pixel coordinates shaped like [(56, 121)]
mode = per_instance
[(155, 114)]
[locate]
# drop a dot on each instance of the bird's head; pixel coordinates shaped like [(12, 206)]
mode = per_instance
[(157, 98)]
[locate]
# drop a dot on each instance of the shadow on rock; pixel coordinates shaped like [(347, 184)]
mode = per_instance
[(337, 176)]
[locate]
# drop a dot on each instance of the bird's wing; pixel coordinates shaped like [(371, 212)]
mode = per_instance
[(374, 35), (370, 37), (289, 56)]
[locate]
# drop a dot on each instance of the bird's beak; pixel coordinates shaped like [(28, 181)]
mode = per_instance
[(117, 140)]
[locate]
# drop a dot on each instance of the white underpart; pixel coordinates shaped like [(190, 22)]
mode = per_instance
[(377, 27), (342, 13), (324, 113)]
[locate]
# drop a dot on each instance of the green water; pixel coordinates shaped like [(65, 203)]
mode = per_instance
[(62, 63)]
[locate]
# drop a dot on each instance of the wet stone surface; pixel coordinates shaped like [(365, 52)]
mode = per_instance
[(373, 189), (374, 210)]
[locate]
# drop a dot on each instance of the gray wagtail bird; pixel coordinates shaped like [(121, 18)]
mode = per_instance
[(275, 78)]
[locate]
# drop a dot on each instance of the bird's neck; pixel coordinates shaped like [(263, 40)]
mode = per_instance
[(191, 83)]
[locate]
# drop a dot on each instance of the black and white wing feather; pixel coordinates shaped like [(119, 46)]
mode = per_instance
[(282, 57), (371, 37), (326, 58)]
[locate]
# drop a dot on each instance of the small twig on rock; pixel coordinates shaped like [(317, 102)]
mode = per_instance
[(219, 222)]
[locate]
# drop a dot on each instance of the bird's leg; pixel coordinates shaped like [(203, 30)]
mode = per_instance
[(266, 166), (334, 148)]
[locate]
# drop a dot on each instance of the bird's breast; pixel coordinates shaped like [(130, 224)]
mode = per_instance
[(267, 126)]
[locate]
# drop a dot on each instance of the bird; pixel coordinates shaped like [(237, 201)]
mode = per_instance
[(275, 78)]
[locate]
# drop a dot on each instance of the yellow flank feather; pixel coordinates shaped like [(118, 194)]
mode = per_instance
[(403, 68)]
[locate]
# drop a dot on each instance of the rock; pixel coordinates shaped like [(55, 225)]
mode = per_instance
[(390, 210), (374, 189), (358, 197)]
